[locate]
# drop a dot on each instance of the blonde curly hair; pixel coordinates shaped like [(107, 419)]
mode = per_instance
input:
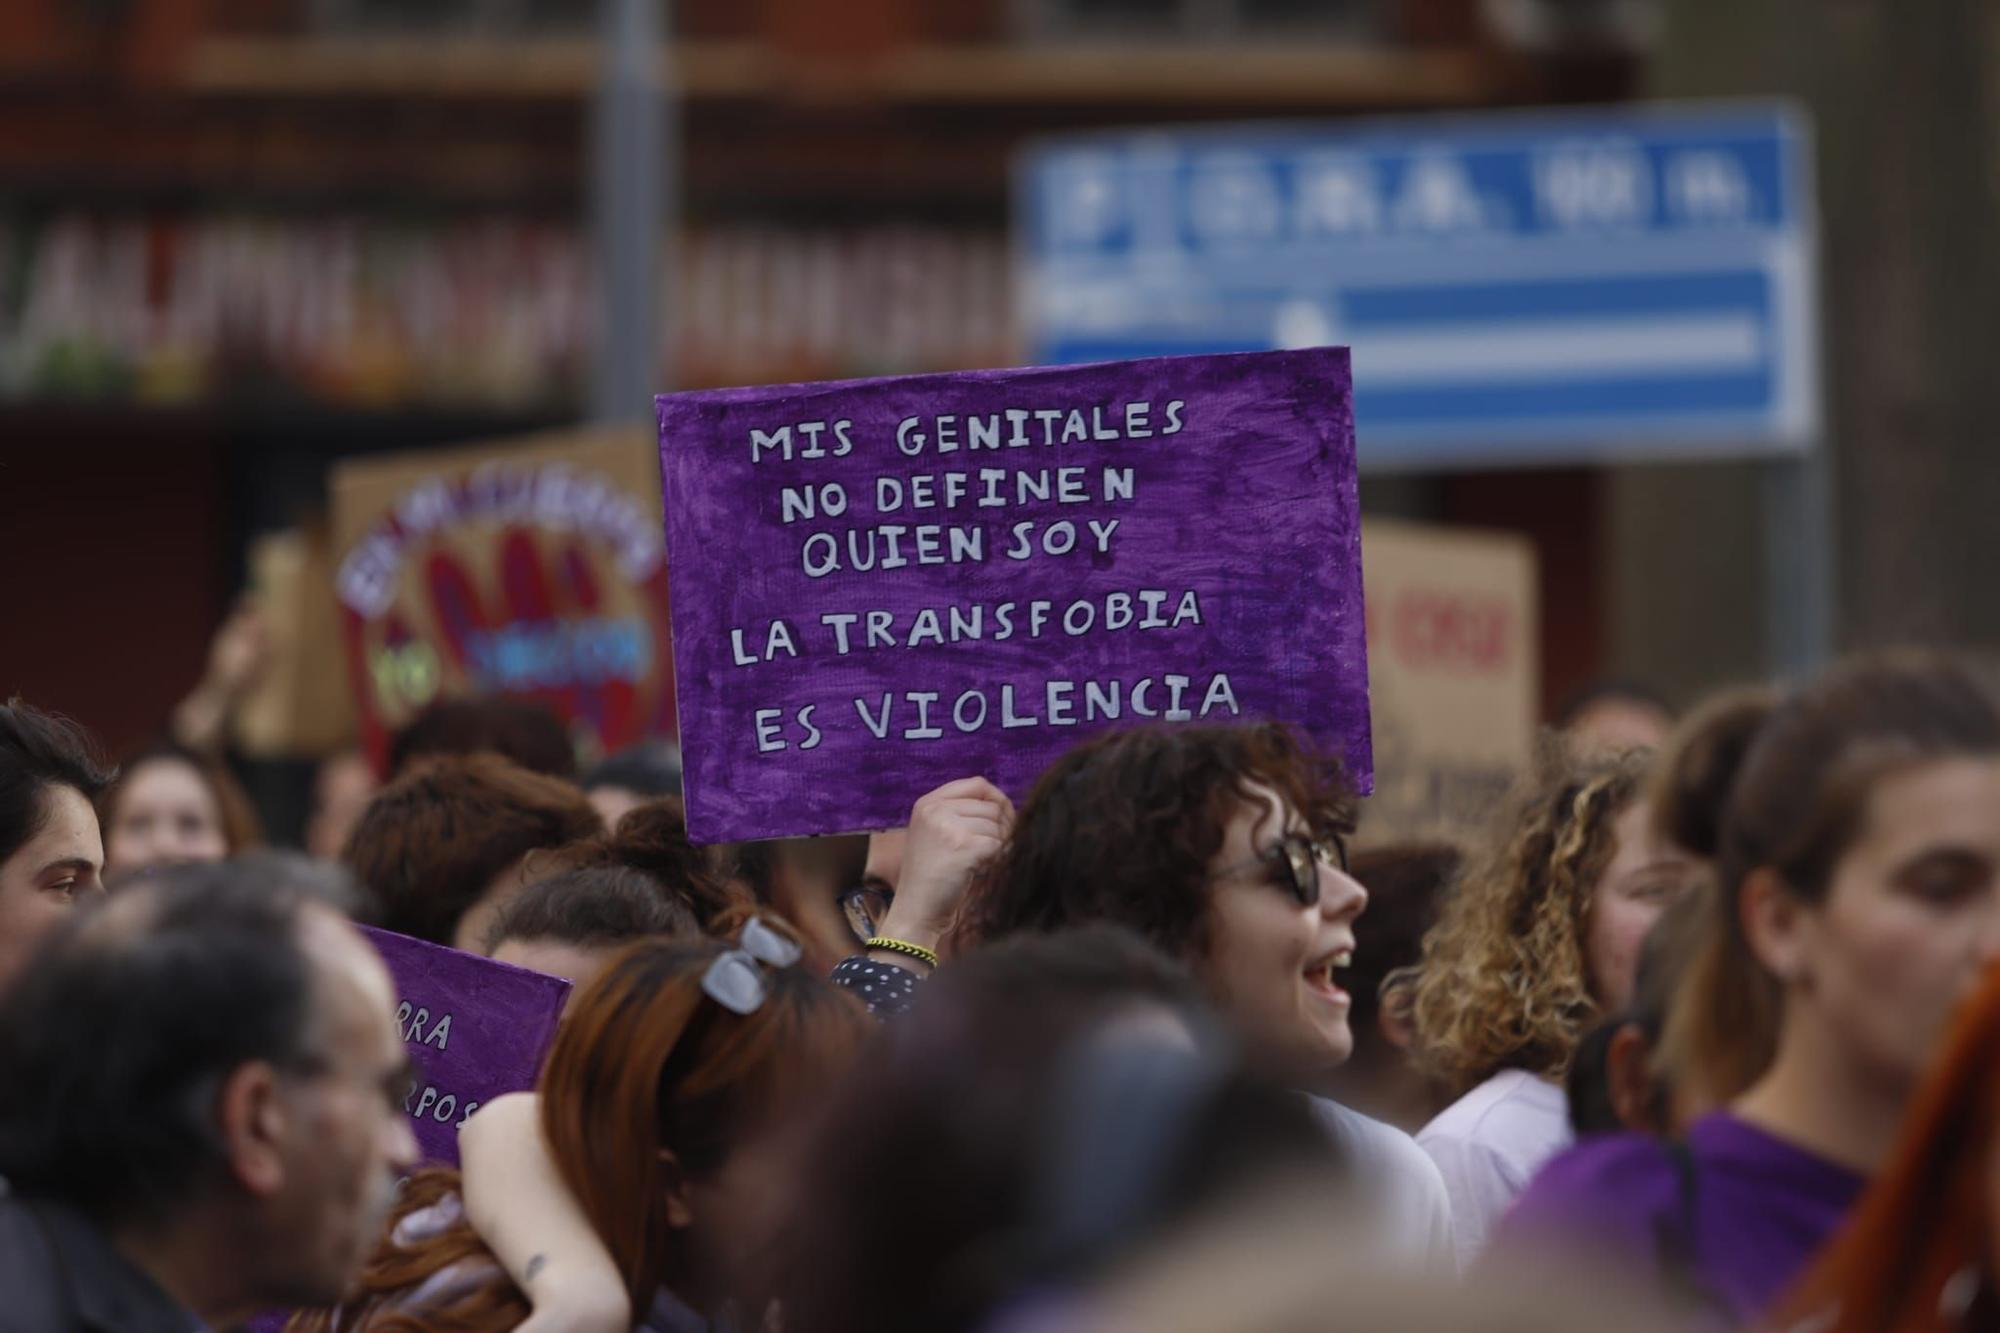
[(1504, 983)]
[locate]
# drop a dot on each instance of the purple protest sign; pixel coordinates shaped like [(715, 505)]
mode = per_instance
[(881, 585), (475, 1029)]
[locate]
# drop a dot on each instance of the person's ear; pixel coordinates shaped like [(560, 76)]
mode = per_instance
[(1628, 1079), (680, 1211), (1393, 1016), (255, 1124), (1778, 925)]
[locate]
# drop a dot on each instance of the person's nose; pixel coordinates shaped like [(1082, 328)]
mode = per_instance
[(1341, 896), (401, 1148)]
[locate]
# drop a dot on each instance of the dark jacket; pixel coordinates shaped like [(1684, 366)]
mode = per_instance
[(59, 1274)]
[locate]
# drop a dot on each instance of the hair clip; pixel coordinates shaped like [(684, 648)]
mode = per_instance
[(735, 981)]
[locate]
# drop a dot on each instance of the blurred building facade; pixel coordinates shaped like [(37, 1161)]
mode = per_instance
[(241, 238)]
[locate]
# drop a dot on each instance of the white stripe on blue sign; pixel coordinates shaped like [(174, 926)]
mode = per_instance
[(1515, 288)]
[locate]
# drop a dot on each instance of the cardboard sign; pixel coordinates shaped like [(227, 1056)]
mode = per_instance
[(533, 570), (1452, 649), (882, 585), (299, 704), (475, 1029)]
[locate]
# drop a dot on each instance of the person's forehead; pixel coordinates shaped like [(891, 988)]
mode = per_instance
[(1620, 723), (165, 779), (1953, 798), (1261, 815), (1622, 705), (69, 832), (557, 958), (1633, 828), (355, 987), (1640, 848), (1264, 803)]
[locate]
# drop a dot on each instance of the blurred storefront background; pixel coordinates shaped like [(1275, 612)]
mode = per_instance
[(243, 239)]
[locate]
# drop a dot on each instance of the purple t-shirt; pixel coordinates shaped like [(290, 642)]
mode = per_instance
[(1761, 1209)]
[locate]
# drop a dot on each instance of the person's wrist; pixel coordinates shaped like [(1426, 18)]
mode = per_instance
[(886, 944), (902, 960), (907, 927), (912, 928)]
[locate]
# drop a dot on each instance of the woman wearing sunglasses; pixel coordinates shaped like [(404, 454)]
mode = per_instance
[(1224, 847), (1539, 939), (658, 1107), (1221, 846)]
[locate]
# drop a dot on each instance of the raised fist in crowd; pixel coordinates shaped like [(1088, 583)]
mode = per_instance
[(953, 830)]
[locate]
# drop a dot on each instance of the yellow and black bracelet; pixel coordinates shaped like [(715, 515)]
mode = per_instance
[(904, 947)]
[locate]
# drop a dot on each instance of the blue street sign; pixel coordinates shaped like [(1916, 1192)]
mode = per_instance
[(1517, 287)]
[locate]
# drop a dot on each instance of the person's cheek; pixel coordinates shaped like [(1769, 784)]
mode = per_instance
[(1639, 920), (1936, 961), (1908, 980)]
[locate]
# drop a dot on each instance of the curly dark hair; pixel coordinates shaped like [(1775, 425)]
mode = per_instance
[(1123, 829)]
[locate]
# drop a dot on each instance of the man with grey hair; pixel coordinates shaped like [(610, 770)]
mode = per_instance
[(200, 1109)]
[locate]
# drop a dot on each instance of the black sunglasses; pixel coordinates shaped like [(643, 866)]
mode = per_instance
[(1295, 860)]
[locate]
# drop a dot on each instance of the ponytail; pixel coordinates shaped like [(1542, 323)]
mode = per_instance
[(1721, 1027)]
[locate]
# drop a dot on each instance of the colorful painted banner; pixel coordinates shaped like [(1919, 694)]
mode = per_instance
[(475, 1028), (533, 570), (881, 585)]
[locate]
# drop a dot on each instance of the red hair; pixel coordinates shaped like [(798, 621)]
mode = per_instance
[(645, 1065), (1929, 1214)]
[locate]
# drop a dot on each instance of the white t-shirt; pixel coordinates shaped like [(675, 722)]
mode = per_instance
[(1391, 1169), (1489, 1144)]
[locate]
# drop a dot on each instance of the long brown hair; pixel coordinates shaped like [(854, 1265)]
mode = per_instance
[(1758, 780), (650, 1082), (1929, 1215), (651, 1065)]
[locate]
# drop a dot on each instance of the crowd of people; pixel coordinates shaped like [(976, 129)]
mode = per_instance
[(1702, 1034)]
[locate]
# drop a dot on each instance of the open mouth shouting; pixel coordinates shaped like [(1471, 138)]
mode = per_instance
[(1320, 973)]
